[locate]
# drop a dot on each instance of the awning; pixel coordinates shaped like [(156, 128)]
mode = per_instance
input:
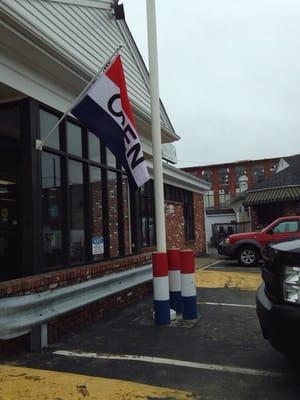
[(273, 196)]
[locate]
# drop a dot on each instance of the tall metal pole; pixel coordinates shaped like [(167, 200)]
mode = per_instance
[(156, 131)]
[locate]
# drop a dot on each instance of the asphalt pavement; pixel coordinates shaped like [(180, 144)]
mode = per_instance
[(221, 355)]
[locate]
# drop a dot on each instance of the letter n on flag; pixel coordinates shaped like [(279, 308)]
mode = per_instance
[(105, 110)]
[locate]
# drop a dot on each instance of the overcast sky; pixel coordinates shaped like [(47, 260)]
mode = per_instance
[(229, 75)]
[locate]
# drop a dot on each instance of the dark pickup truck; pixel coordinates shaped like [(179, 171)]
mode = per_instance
[(278, 298)]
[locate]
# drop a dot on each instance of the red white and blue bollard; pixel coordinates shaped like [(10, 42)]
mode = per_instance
[(161, 288), (188, 286), (174, 280)]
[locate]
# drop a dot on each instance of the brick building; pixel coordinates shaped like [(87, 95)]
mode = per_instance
[(225, 181), (277, 196), (67, 215)]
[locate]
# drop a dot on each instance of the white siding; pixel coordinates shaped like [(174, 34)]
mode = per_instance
[(86, 35)]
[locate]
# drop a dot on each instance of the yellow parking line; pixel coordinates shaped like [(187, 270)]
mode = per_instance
[(223, 279), (35, 384)]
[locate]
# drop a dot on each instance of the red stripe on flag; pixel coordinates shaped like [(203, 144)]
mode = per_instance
[(115, 72)]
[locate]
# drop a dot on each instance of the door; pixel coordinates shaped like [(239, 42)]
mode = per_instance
[(9, 241)]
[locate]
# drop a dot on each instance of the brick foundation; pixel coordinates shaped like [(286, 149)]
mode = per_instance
[(76, 319)]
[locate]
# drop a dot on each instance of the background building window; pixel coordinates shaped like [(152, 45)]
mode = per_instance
[(206, 174), (224, 198), (223, 176), (209, 199), (258, 173), (240, 170)]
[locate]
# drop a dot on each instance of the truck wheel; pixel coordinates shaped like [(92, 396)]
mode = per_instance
[(248, 256)]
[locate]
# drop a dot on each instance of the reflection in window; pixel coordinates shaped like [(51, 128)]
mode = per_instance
[(52, 210), (126, 215), (147, 214), (113, 213), (74, 140), (286, 227), (94, 147), (47, 122), (97, 214), (77, 237), (110, 159)]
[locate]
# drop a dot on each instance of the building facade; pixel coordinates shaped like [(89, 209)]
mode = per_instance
[(226, 182), (67, 214), (277, 196)]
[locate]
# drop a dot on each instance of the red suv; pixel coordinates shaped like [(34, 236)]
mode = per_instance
[(246, 247)]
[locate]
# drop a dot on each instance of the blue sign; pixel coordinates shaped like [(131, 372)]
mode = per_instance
[(97, 245)]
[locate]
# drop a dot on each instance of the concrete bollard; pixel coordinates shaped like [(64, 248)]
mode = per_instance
[(174, 280), (161, 288), (188, 286)]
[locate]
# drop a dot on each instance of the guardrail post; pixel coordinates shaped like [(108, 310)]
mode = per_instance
[(174, 280), (39, 337), (188, 286)]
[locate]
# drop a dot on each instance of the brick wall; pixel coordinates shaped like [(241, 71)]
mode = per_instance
[(175, 225), (200, 243)]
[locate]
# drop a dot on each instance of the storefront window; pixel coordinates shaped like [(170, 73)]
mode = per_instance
[(94, 148), (126, 215), (74, 140), (113, 214), (147, 214), (76, 210), (96, 213), (52, 210), (47, 122), (76, 196), (110, 159)]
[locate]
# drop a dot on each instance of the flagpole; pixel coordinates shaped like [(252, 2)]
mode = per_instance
[(156, 129), (39, 143)]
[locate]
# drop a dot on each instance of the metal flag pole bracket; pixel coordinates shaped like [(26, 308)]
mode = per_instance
[(40, 143)]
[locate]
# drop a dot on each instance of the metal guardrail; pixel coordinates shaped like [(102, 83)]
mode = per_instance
[(30, 313)]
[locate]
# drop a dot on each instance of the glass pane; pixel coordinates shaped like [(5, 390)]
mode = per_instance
[(110, 159), (77, 237), (126, 215), (113, 214), (47, 122), (74, 141), (97, 214), (94, 147), (52, 210)]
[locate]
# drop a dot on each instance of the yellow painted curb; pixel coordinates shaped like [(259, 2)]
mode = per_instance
[(223, 279), (18, 383)]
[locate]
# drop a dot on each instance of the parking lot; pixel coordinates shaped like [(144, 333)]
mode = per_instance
[(222, 355)]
